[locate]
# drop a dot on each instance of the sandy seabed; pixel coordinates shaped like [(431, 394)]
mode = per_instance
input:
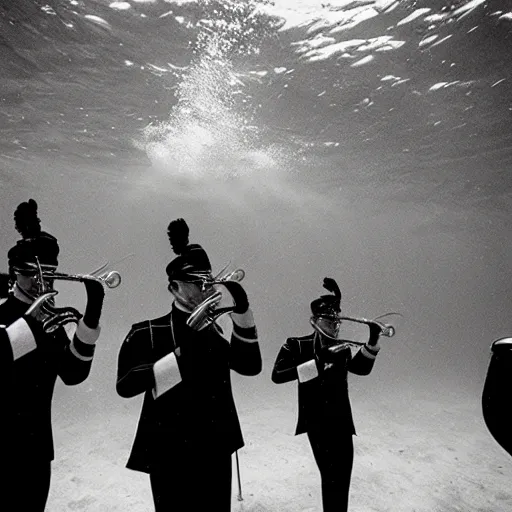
[(410, 456)]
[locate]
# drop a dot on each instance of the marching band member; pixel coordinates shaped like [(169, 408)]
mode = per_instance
[(320, 363), (32, 358), (496, 393), (188, 427)]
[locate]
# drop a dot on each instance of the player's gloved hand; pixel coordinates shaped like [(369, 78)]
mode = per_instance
[(239, 296), (95, 297), (375, 332)]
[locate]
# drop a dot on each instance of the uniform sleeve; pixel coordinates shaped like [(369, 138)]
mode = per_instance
[(18, 340), (6, 351), (245, 354), (288, 366), (75, 359), (166, 374), (363, 360), (134, 365)]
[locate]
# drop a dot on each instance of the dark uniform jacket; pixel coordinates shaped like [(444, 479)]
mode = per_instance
[(198, 412), (30, 379), (324, 399)]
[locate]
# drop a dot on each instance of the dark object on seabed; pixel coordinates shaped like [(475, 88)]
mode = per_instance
[(497, 392), (4, 285)]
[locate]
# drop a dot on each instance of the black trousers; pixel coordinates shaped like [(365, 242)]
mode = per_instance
[(197, 482), (26, 485), (334, 456)]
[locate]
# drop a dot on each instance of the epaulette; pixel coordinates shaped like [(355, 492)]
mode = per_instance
[(307, 337)]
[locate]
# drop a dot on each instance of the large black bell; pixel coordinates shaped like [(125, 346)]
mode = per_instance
[(497, 394)]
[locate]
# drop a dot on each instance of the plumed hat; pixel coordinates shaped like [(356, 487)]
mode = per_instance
[(191, 262), (328, 305), (35, 243)]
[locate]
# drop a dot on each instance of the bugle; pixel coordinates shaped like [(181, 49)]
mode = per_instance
[(111, 279), (209, 311), (57, 317), (387, 330), (54, 317)]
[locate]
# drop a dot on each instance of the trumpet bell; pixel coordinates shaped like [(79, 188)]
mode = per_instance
[(112, 279), (237, 275), (388, 331)]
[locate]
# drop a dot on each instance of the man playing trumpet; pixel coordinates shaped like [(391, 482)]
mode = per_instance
[(320, 362), (188, 427), (33, 358)]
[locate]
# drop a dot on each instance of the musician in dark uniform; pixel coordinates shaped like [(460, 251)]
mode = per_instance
[(496, 393), (320, 363), (31, 360), (188, 427)]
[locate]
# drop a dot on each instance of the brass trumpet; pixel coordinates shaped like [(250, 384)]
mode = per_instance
[(51, 316), (110, 279), (54, 317), (387, 330), (208, 311)]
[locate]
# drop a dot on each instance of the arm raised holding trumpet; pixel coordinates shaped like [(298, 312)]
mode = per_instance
[(95, 284), (189, 427), (36, 349), (320, 363)]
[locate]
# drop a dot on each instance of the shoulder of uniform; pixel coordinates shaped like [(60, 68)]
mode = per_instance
[(161, 321), (300, 339), (140, 327)]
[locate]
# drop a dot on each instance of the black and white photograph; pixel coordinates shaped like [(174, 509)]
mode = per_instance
[(255, 255)]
